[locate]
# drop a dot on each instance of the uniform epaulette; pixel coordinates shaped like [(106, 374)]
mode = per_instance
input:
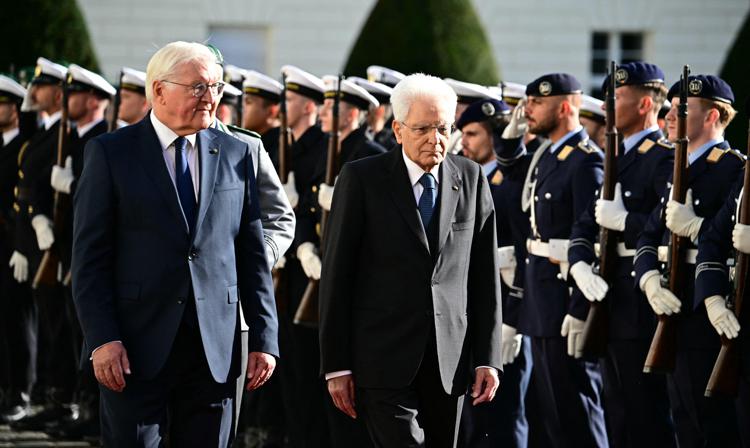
[(565, 152), (497, 178), (587, 147), (664, 143), (737, 153), (644, 147), (234, 128), (717, 153)]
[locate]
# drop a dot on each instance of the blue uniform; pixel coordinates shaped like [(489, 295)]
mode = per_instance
[(712, 278), (636, 404), (698, 420), (568, 390)]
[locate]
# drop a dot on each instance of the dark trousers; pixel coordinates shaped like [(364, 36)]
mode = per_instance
[(636, 403), (501, 422), (18, 336), (700, 421), (182, 404), (569, 396), (421, 414)]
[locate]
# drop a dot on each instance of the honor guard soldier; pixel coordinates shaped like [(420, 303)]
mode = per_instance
[(228, 111), (17, 313), (562, 182), (636, 403), (467, 93), (260, 110), (380, 118), (713, 168), (34, 199), (133, 103), (592, 119), (501, 422)]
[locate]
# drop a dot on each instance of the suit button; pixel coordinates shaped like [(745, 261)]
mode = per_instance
[(314, 188), (559, 276), (627, 194), (697, 201), (180, 301), (548, 195), (632, 274), (536, 198)]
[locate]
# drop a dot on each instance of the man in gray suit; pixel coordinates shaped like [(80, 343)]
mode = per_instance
[(409, 294)]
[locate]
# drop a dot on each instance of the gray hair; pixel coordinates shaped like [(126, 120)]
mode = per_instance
[(164, 63), (419, 85)]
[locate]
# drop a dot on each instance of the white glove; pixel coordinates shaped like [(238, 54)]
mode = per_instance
[(511, 344), (281, 263), (612, 214), (741, 238), (518, 123), (723, 319), (325, 196), (572, 328), (681, 218), (591, 285), (62, 177), (661, 299), (507, 262), (308, 257), (44, 234), (291, 190), (20, 265)]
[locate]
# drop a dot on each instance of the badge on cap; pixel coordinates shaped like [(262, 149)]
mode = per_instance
[(488, 109), (37, 71), (695, 86), (545, 88), (621, 76)]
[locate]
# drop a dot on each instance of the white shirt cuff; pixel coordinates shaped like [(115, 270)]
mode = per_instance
[(338, 373)]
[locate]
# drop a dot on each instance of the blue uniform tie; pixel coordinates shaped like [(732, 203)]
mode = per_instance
[(184, 181), (427, 200)]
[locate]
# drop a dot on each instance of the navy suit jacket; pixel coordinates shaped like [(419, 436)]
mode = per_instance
[(135, 265)]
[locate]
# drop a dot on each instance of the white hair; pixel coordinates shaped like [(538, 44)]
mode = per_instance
[(164, 63), (419, 85)]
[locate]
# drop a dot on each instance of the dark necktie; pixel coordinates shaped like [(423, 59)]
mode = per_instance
[(427, 200), (184, 181)]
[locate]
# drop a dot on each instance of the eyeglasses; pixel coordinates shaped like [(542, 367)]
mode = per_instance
[(443, 129), (200, 89)]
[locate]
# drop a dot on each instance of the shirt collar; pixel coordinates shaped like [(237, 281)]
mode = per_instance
[(50, 120), (415, 172), (489, 167), (630, 142), (9, 135), (564, 139), (167, 136), (695, 155), (82, 130)]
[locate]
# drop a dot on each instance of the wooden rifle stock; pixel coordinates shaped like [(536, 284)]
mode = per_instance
[(280, 281), (596, 327), (307, 312), (725, 377), (47, 273), (116, 107), (662, 353)]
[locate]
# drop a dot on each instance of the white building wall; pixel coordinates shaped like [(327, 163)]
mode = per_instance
[(529, 37)]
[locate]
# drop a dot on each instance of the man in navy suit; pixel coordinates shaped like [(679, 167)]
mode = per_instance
[(167, 241)]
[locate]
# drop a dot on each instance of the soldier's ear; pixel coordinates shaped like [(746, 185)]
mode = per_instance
[(646, 104)]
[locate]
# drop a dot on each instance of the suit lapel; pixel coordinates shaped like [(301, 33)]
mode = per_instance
[(150, 152), (402, 194), (450, 189), (208, 153)]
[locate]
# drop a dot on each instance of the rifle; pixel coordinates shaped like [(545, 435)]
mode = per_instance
[(663, 350), (285, 144), (725, 376), (116, 106), (596, 327), (307, 312), (46, 274)]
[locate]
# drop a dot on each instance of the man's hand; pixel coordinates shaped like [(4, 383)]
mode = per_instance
[(62, 176), (593, 287), (308, 257), (341, 389), (20, 265), (486, 382), (612, 214), (572, 328), (260, 367), (111, 364), (325, 196), (662, 300), (291, 190), (681, 218), (45, 236), (741, 238)]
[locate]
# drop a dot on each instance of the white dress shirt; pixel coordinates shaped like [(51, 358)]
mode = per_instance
[(166, 139), (50, 120), (82, 130), (8, 136)]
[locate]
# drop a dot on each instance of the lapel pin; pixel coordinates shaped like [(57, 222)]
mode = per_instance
[(213, 151), (455, 188)]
